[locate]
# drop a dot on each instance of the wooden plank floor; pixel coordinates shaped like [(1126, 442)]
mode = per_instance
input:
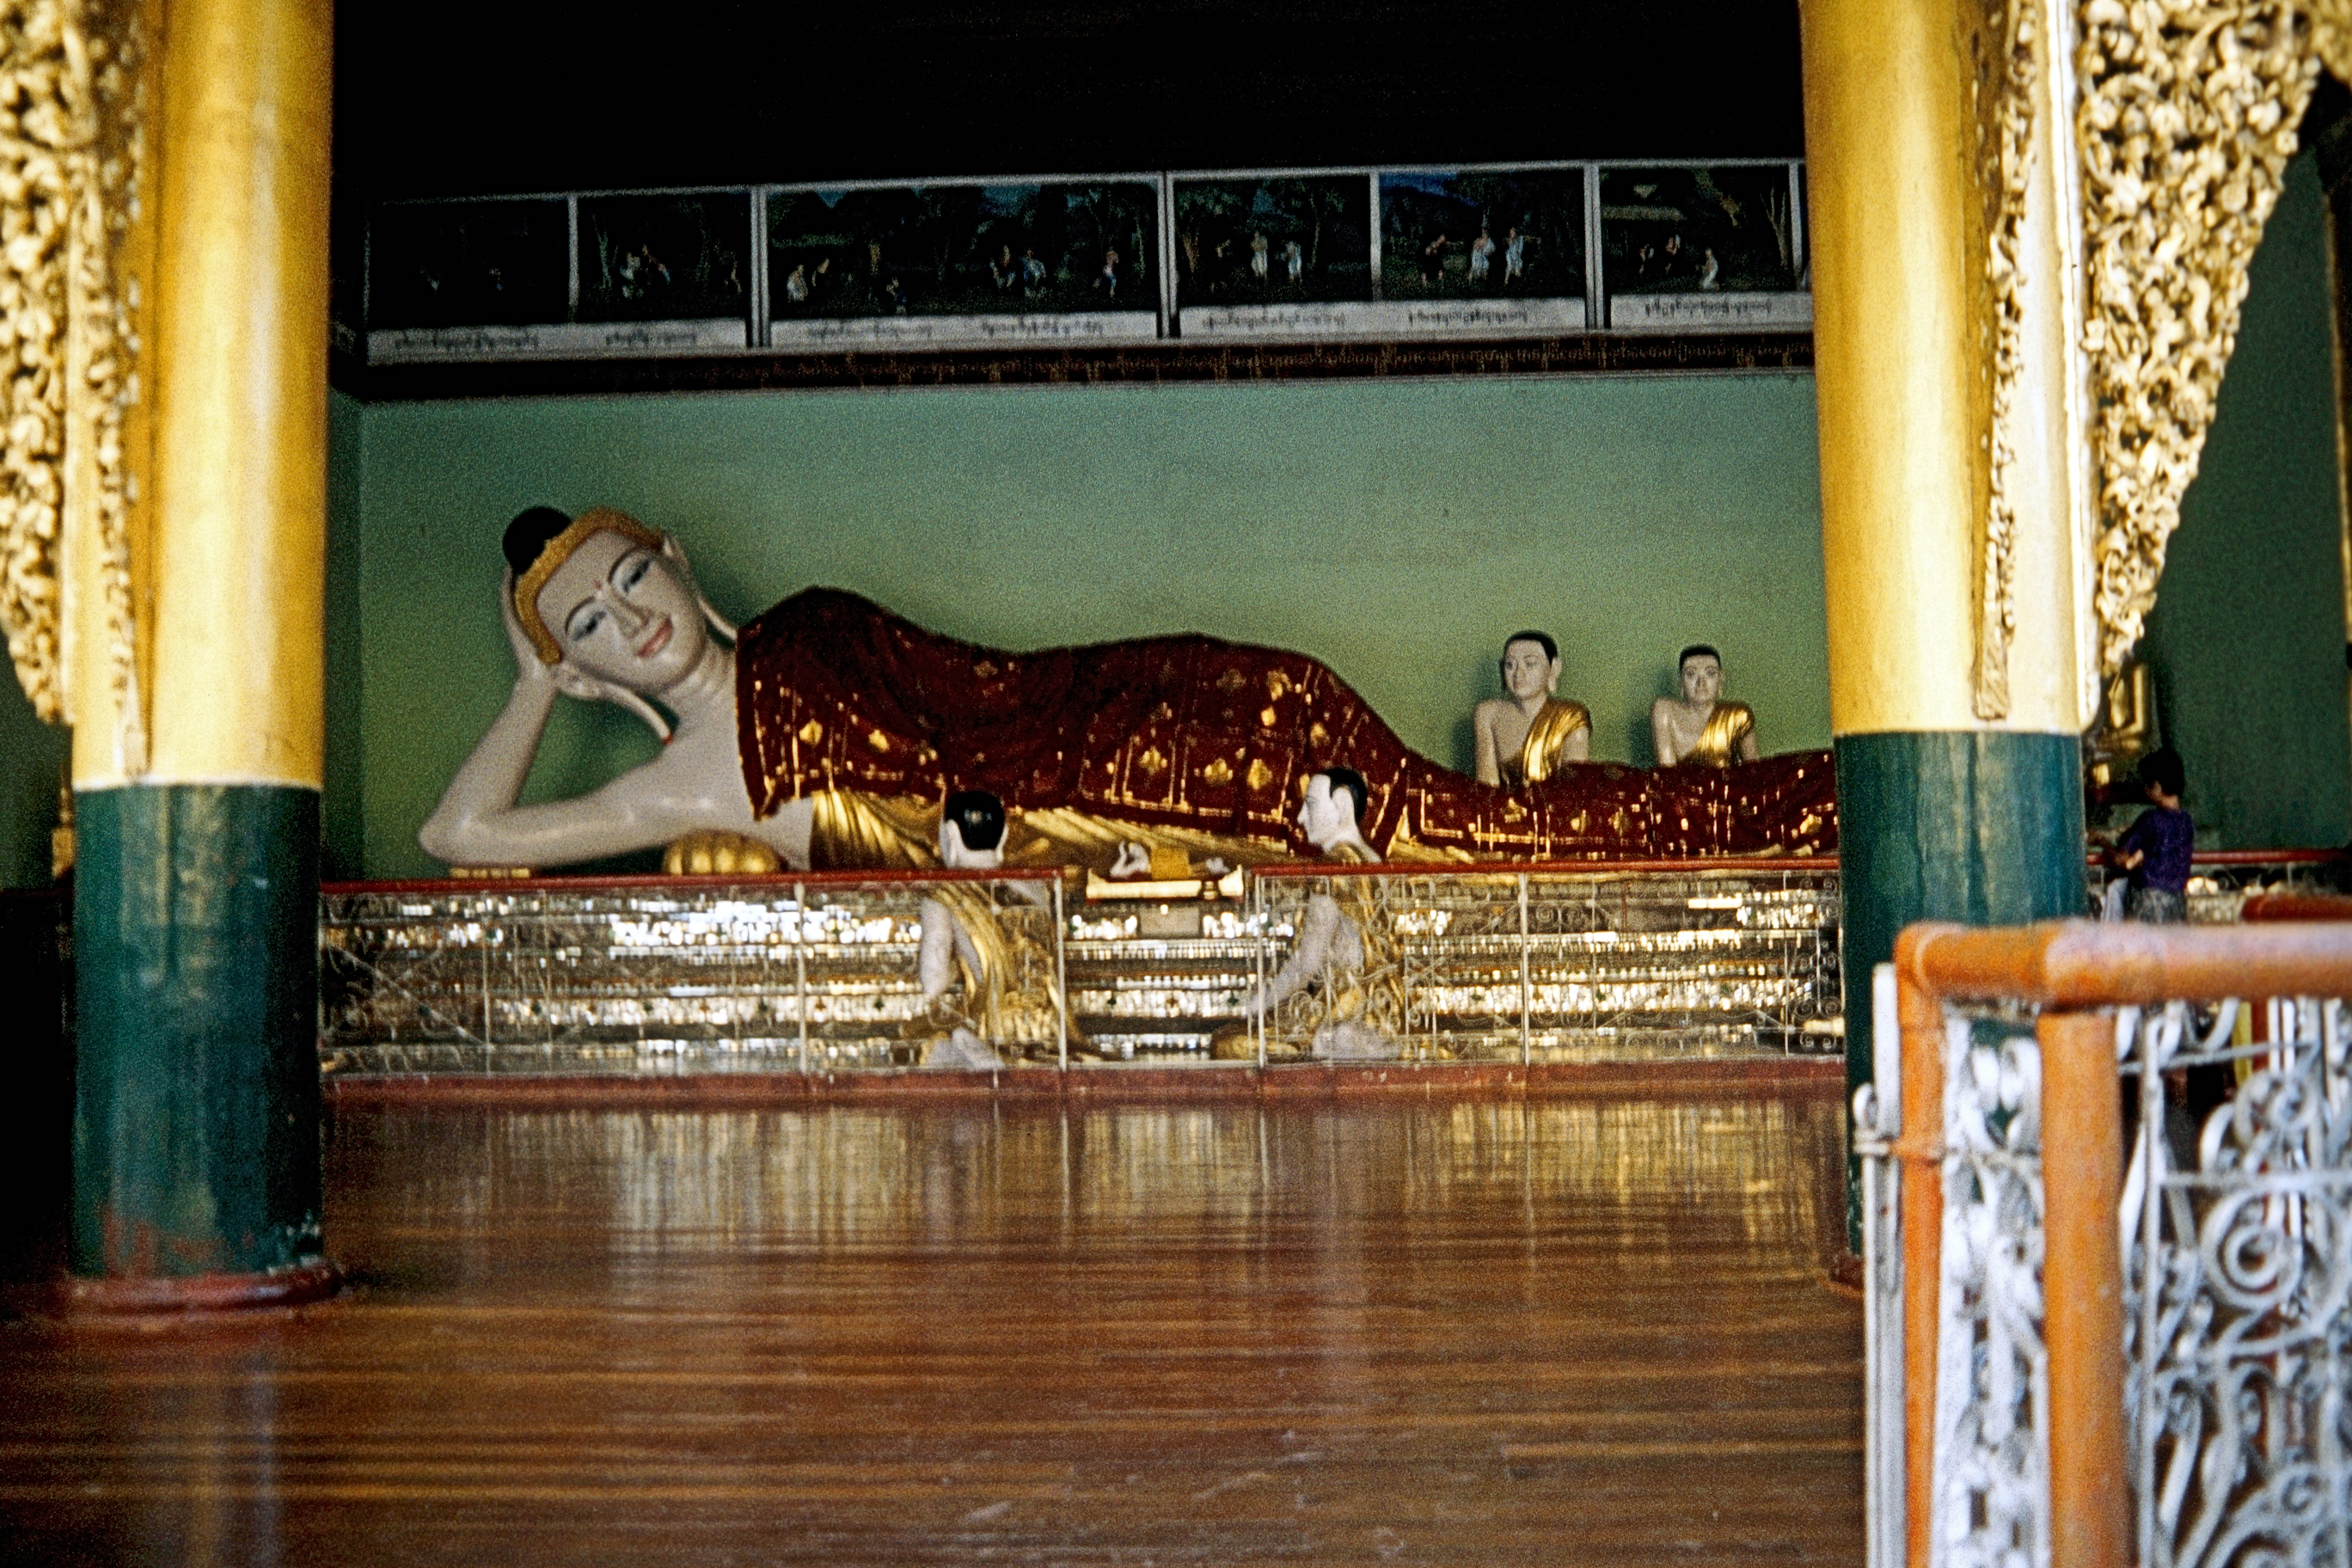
[(1549, 1331)]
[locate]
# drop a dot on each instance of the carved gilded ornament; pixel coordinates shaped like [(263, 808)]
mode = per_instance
[(2331, 34), (2005, 98), (73, 161), (2185, 123)]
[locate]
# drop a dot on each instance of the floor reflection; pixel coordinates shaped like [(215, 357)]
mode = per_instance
[(1493, 1331), (838, 1176)]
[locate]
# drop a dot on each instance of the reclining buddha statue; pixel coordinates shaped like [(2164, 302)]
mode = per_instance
[(828, 732)]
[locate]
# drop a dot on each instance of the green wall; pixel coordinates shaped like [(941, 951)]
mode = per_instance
[(1397, 530), (2248, 638)]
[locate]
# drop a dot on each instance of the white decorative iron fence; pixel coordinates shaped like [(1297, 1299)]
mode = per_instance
[(2075, 1110)]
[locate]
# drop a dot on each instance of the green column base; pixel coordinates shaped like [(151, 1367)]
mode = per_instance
[(195, 960), (1977, 826)]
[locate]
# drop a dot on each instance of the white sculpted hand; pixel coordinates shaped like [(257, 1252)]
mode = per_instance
[(528, 670)]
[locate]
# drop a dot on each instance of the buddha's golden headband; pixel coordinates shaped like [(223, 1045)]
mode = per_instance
[(557, 551)]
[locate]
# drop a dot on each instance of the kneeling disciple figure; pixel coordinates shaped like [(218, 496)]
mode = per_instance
[(1346, 960), (1524, 736), (1699, 727), (1007, 1001), (830, 730)]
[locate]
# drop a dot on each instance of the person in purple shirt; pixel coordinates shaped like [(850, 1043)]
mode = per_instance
[(2154, 850)]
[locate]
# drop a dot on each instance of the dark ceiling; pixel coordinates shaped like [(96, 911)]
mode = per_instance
[(438, 97)]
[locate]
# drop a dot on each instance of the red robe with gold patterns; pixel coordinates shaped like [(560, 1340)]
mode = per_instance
[(834, 692)]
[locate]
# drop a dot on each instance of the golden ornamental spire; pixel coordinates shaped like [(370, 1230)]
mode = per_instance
[(2185, 123), (73, 161)]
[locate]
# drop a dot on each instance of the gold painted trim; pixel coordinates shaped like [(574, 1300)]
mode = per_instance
[(595, 521)]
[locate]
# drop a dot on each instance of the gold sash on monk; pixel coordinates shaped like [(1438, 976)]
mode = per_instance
[(1718, 743), (1548, 734), (1013, 1001), (1371, 993)]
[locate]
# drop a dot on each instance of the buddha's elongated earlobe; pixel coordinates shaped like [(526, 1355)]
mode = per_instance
[(718, 623), (587, 689), (623, 698), (675, 552)]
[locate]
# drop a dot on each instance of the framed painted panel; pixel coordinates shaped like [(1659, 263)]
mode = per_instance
[(1272, 254), (1481, 252), (669, 273), (1703, 248), (1246, 261), (463, 280), (951, 264)]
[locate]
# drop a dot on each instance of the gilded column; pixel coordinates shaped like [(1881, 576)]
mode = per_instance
[(1956, 527), (195, 1166)]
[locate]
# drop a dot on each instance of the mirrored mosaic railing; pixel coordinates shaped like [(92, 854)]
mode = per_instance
[(1551, 966), (821, 974), (2226, 1170), (2224, 880), (635, 978)]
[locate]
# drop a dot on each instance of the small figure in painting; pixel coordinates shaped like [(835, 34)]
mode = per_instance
[(1524, 735), (1671, 260), (1432, 260), (894, 295), (1004, 270), (2156, 851), (1108, 279), (1698, 727), (796, 288), (1515, 259), (1033, 273), (1709, 271), (1294, 260), (1258, 257), (1482, 258)]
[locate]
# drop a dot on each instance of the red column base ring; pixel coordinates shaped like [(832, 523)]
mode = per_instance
[(153, 1296)]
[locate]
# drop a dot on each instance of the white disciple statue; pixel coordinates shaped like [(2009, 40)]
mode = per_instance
[(1344, 958), (1007, 998), (1524, 735), (1699, 726)]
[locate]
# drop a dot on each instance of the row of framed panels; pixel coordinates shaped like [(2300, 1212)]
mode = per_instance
[(1260, 256)]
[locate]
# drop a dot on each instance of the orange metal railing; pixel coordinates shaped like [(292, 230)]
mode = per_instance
[(2070, 972)]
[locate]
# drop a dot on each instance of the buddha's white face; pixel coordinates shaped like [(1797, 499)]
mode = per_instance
[(1702, 679), (1528, 672), (623, 614), (1326, 814)]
